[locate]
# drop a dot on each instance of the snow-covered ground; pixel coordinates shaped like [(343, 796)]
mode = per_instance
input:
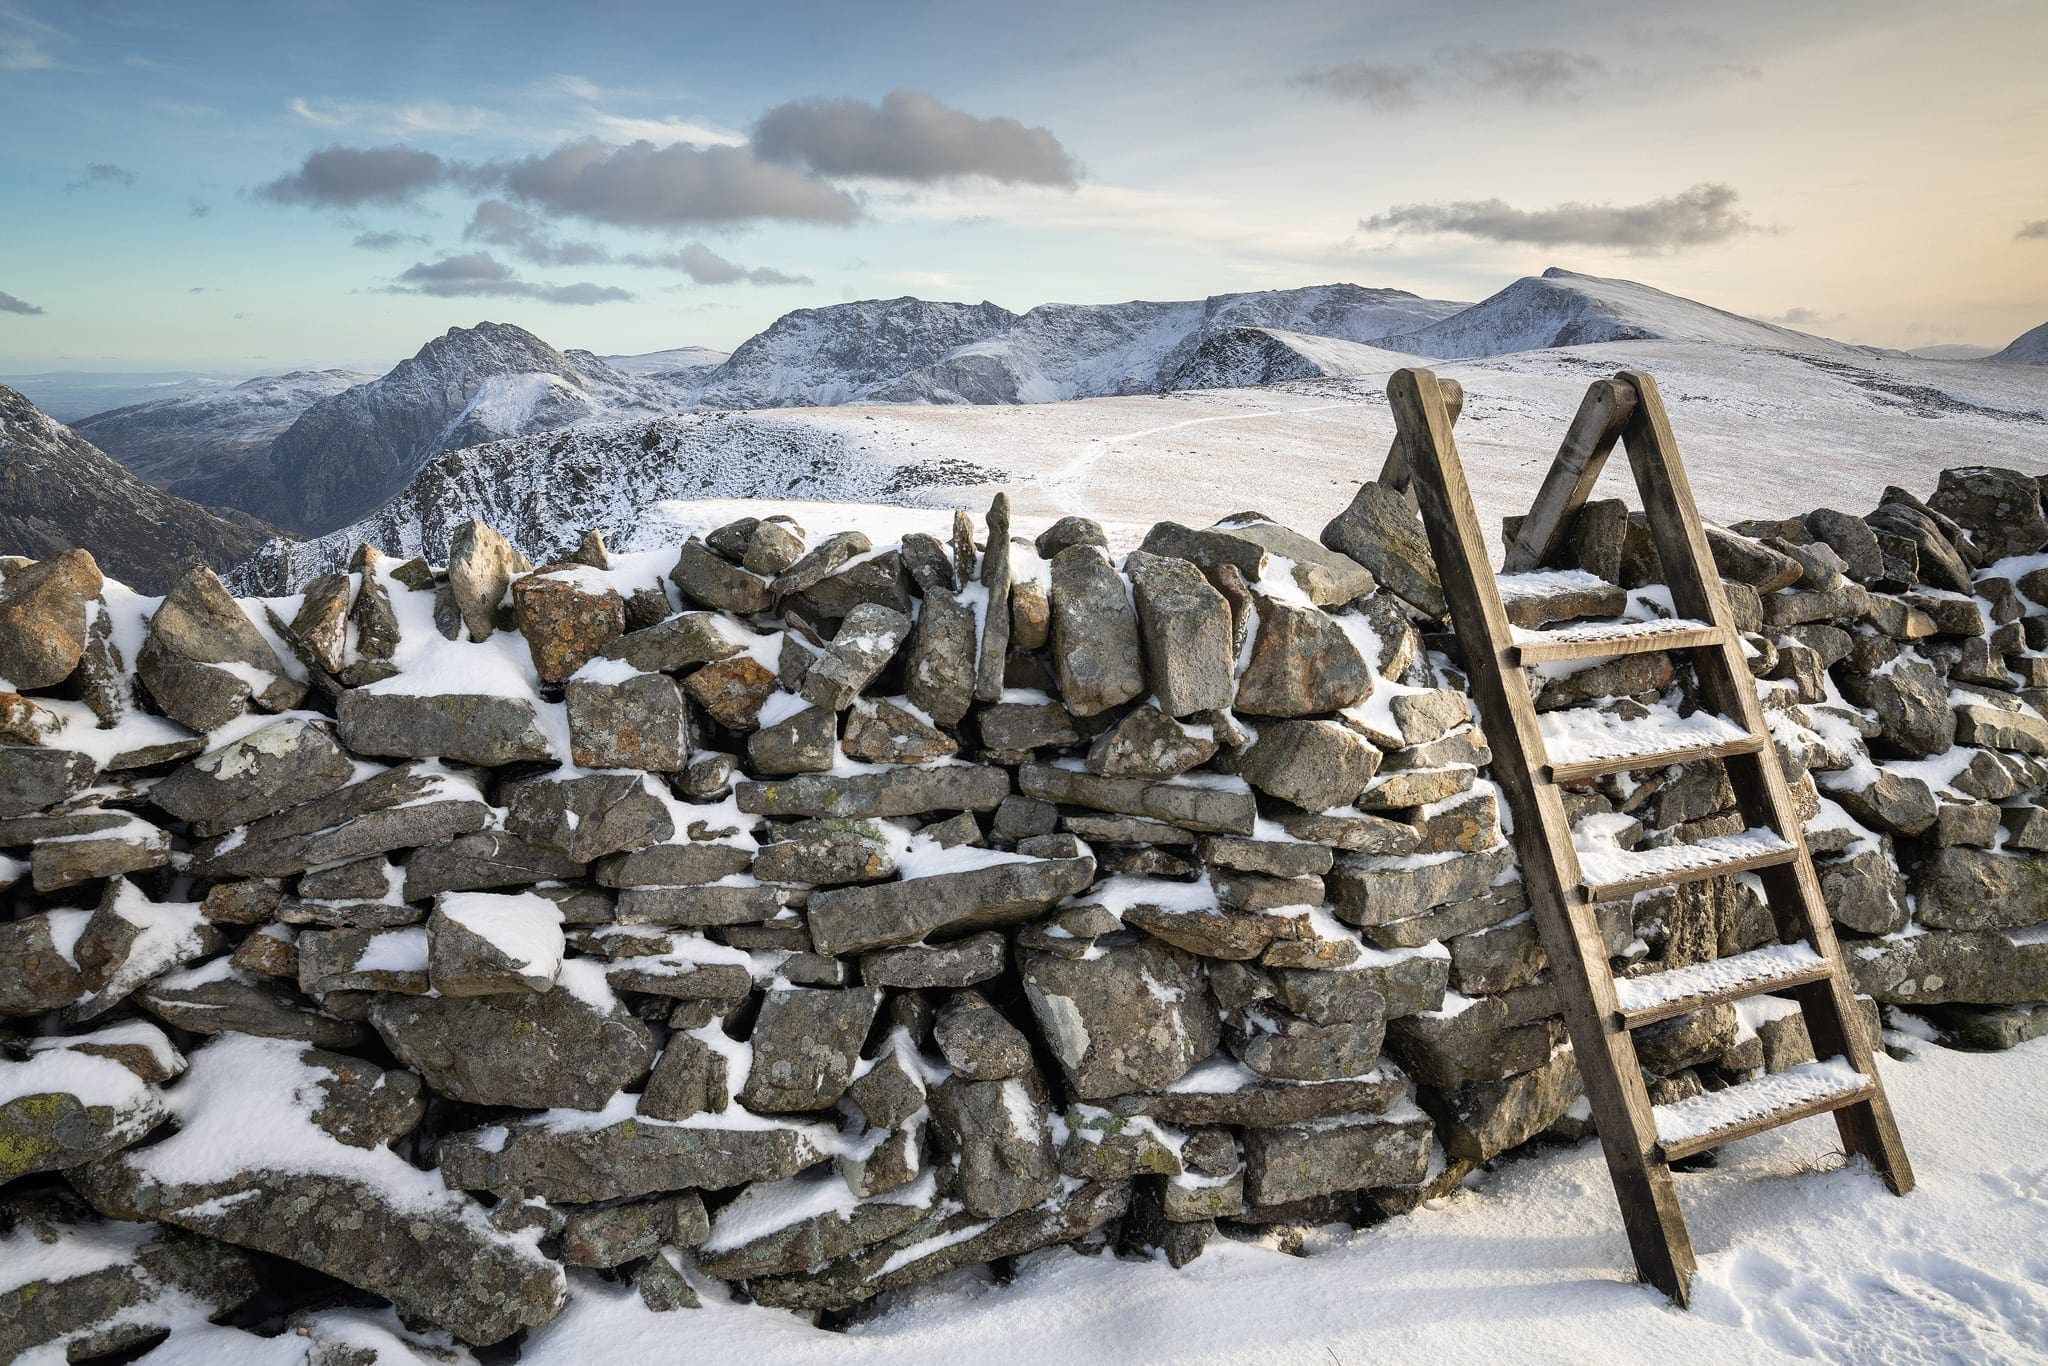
[(1800, 1257)]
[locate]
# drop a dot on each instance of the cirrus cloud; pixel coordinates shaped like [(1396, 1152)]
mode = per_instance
[(1705, 214), (910, 136)]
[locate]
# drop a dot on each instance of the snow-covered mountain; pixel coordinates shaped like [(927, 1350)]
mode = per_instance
[(543, 491), (2029, 348), (195, 435), (346, 454), (1561, 308), (677, 361), (820, 356), (58, 490), (1237, 357)]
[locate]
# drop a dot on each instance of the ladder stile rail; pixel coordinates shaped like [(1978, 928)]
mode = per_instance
[(1640, 1140)]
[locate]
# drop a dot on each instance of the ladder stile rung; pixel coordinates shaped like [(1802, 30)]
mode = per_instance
[(1656, 996)]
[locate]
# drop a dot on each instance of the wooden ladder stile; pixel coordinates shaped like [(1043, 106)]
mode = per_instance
[(1628, 410)]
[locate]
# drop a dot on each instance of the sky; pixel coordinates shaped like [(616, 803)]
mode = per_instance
[(262, 187)]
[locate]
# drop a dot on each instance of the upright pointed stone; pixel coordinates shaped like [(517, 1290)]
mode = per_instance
[(1095, 649), (995, 624), (481, 563), (1185, 627)]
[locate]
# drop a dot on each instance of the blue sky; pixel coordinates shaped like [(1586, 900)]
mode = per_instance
[(627, 177)]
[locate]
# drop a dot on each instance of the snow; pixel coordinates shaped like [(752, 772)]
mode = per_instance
[(524, 926), (1711, 1111), (127, 1034), (1754, 968), (768, 1207), (93, 1079), (1604, 866), (80, 1251), (1582, 734)]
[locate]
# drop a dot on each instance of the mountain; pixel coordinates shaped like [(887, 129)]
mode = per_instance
[(1064, 351), (821, 356), (1952, 351), (347, 453), (195, 435), (679, 361), (1239, 357), (544, 491), (2029, 348), (58, 490), (1560, 308)]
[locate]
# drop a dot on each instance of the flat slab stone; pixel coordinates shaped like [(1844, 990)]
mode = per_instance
[(902, 792), (846, 920)]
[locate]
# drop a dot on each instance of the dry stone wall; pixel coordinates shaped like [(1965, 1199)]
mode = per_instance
[(815, 917)]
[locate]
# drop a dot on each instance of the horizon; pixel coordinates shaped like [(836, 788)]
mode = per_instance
[(211, 189)]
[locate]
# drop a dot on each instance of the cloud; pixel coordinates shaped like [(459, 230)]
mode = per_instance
[(707, 267), (10, 304), (509, 226), (2036, 231), (388, 241), (1377, 85), (1536, 75), (480, 274), (425, 116), (22, 40), (197, 208), (910, 136), (641, 185), (103, 173), (343, 177), (1803, 317), (1704, 214)]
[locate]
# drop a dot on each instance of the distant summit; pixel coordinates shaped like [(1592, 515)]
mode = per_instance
[(2029, 348)]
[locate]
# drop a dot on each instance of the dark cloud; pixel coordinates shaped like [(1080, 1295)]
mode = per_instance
[(1535, 75), (344, 177), (389, 241), (707, 267), (480, 274), (681, 185), (103, 173), (10, 304), (1704, 214), (2034, 231), (1377, 85), (910, 136), (509, 226)]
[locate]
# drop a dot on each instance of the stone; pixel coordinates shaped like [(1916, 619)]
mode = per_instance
[(1096, 653), (733, 690), (568, 619), (1381, 532), (878, 579), (1313, 764), (1133, 1019), (235, 1004), (709, 904), (977, 1042), (705, 577), (481, 564), (1989, 727), (805, 1045), (1285, 1047), (198, 629), (1851, 539), (1940, 564), (736, 1250), (1863, 889), (678, 643), (2001, 509), (1912, 709), (1147, 743), (491, 943), (939, 673), (921, 967), (613, 1235), (850, 920), (1302, 664), (806, 741), (1299, 1162), (634, 720), (827, 854), (46, 613), (867, 640), (1982, 967), (435, 1258), (63, 1109), (1014, 726), (689, 1078), (275, 767), (820, 562), (368, 959), (1275, 857), (587, 816), (1030, 616), (881, 731), (1750, 562), (1070, 531), (1001, 1133), (1184, 627), (1191, 806), (1477, 1042), (1960, 888), (131, 846), (1893, 802), (776, 544), (483, 860), (908, 792), (1380, 891), (1485, 1119), (464, 728)]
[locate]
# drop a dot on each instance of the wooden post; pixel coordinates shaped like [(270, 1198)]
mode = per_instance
[(1587, 443)]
